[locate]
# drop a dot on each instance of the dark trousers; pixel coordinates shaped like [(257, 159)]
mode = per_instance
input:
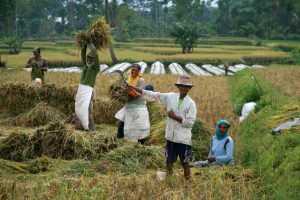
[(120, 133)]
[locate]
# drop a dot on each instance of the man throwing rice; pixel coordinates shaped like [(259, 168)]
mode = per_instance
[(83, 101)]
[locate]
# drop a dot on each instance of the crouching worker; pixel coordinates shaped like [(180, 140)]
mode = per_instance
[(83, 100), (221, 148), (181, 116), (134, 122)]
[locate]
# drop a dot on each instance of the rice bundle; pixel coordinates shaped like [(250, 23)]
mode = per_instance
[(105, 110), (18, 97), (41, 114), (158, 121), (201, 140), (16, 147), (132, 158), (39, 165), (60, 141), (10, 167), (99, 33), (118, 92)]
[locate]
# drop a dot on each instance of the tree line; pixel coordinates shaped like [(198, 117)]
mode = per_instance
[(48, 19)]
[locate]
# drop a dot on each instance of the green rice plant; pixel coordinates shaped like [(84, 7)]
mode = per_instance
[(131, 158)]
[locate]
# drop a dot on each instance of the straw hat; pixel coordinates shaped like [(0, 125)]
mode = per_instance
[(184, 81)]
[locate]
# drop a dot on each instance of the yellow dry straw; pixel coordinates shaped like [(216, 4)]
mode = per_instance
[(99, 33), (40, 115), (19, 97), (60, 141), (57, 140)]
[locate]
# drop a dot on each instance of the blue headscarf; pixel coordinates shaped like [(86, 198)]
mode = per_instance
[(149, 87), (218, 136)]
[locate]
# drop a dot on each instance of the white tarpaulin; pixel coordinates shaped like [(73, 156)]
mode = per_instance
[(247, 109)]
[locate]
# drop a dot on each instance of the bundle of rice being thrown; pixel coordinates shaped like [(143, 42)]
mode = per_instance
[(118, 92), (99, 33), (40, 115)]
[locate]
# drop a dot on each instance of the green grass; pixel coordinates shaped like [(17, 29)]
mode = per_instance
[(274, 158), (64, 53)]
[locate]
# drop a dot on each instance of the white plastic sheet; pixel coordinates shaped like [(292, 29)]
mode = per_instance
[(247, 109)]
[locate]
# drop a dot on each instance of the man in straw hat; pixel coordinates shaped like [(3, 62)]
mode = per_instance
[(83, 101), (39, 65), (181, 116)]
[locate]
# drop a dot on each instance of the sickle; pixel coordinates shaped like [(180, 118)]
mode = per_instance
[(121, 75)]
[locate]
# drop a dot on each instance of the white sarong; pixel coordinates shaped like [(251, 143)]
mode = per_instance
[(82, 101), (136, 123)]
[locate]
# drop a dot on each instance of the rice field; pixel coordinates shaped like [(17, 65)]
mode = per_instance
[(76, 165), (66, 52), (286, 78)]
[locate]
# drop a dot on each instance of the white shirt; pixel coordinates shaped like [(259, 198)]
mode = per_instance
[(175, 131)]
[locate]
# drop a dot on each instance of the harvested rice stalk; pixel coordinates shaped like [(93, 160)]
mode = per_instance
[(17, 97), (158, 121), (201, 140), (105, 110), (118, 92), (132, 158), (16, 147), (41, 114), (60, 141), (99, 33), (41, 164), (10, 167)]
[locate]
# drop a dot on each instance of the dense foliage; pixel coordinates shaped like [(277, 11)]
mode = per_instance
[(47, 19)]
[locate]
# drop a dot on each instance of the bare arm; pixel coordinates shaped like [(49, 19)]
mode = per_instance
[(83, 55), (28, 64), (95, 53), (172, 115)]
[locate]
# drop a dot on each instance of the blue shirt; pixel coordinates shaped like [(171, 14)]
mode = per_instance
[(223, 157)]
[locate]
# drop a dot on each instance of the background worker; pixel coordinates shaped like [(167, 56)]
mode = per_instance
[(38, 64)]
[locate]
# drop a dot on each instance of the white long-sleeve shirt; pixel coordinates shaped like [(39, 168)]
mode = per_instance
[(224, 156), (175, 131)]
